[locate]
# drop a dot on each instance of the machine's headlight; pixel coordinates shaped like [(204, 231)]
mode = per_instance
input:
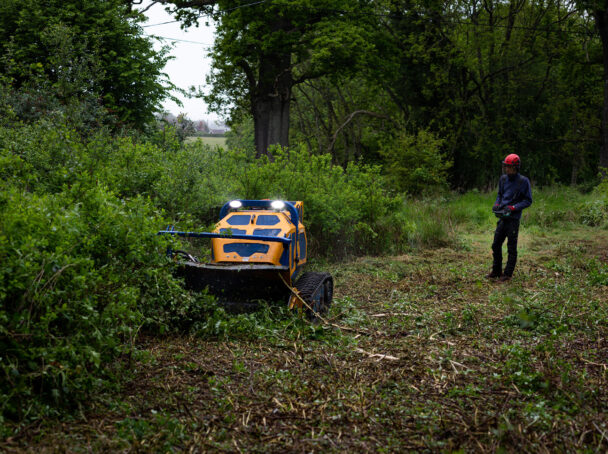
[(277, 204), (235, 204)]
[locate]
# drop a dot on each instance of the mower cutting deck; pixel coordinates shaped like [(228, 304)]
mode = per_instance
[(258, 249)]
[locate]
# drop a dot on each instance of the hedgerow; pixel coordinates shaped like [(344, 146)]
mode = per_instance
[(82, 270), (75, 268), (346, 211)]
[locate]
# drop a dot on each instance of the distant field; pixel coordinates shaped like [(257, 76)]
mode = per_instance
[(213, 141)]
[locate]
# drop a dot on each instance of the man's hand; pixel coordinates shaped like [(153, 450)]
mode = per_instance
[(511, 207)]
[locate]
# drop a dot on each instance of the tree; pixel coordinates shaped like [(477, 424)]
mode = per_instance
[(493, 77), (348, 117), (414, 164), (124, 70), (184, 127), (598, 9), (264, 49), (527, 87)]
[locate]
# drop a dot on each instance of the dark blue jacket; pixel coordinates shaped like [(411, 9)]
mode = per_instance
[(514, 190)]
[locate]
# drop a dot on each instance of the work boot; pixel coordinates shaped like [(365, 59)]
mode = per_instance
[(504, 278), (492, 275)]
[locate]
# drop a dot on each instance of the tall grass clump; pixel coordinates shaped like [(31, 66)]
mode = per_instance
[(473, 209), (595, 212), (555, 206), (426, 223)]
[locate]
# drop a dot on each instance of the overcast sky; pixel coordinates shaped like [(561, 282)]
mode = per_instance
[(191, 63)]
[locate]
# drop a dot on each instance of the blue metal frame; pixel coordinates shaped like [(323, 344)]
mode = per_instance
[(290, 255), (295, 218), (295, 273), (274, 239)]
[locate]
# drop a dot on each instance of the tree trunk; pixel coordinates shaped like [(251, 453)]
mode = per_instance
[(271, 102), (271, 123), (574, 174), (601, 21)]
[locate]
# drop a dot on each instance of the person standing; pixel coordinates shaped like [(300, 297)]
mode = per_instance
[(514, 195)]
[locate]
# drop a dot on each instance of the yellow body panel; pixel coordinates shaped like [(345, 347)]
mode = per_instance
[(260, 222)]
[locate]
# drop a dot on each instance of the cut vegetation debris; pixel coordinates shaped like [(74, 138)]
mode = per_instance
[(449, 361)]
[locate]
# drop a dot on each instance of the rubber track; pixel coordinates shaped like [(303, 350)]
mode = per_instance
[(307, 286)]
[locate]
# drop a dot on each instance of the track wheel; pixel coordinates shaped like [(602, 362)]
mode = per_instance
[(317, 290)]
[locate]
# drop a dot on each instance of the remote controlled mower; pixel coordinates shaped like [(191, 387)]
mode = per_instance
[(258, 250)]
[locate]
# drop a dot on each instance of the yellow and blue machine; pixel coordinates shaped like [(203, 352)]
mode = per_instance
[(258, 250)]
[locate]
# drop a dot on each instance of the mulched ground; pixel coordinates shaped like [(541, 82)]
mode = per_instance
[(433, 358)]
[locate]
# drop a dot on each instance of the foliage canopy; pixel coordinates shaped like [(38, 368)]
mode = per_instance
[(262, 50), (85, 50)]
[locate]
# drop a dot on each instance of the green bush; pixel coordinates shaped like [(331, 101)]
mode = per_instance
[(346, 211), (595, 212), (193, 184), (415, 164), (80, 273), (81, 267), (68, 280)]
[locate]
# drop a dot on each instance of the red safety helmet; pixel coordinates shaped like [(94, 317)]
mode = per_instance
[(512, 160)]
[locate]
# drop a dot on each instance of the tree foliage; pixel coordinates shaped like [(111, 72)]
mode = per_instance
[(598, 9), (61, 50), (414, 164), (263, 50), (488, 78)]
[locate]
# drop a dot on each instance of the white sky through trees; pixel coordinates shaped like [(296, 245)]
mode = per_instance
[(191, 63)]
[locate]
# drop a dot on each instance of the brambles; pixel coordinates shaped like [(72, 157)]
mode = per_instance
[(598, 272), (594, 213)]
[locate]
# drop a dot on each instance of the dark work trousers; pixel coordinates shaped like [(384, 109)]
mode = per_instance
[(506, 228)]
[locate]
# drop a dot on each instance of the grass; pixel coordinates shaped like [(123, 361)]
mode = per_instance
[(430, 356), (211, 141)]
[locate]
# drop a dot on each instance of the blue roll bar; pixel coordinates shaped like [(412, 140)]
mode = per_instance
[(274, 239)]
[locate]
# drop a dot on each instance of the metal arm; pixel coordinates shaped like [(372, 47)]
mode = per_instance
[(274, 239)]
